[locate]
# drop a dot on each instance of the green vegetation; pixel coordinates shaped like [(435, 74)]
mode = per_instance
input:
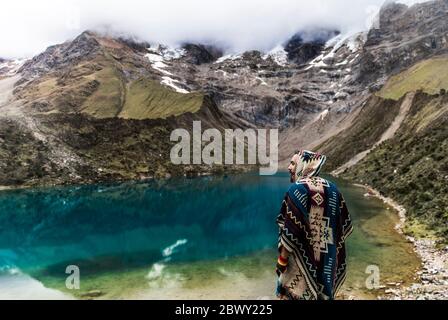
[(107, 100), (368, 126), (109, 117), (110, 149), (417, 229), (413, 166), (99, 88), (147, 99), (22, 157), (429, 75)]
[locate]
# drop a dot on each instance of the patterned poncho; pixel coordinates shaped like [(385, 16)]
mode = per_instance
[(314, 223)]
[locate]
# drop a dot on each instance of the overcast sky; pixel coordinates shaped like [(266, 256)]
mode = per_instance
[(28, 27)]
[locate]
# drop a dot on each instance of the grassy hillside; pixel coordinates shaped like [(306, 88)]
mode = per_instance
[(107, 100), (429, 75), (109, 149), (413, 166), (22, 156), (102, 88), (147, 99), (374, 118), (102, 117)]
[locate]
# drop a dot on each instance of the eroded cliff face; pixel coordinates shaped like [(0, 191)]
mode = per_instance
[(398, 140), (412, 166), (403, 36)]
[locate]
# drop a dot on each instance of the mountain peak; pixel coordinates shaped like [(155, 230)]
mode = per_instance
[(306, 45), (57, 56), (199, 54)]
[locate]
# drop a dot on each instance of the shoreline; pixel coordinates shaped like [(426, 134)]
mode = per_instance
[(4, 188), (433, 275), (186, 175), (20, 286), (259, 288)]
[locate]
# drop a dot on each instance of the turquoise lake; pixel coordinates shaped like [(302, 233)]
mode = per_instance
[(182, 238)]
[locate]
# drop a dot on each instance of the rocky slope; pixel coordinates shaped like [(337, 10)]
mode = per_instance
[(94, 110), (412, 167), (102, 108), (398, 140), (404, 35), (396, 59), (9, 67)]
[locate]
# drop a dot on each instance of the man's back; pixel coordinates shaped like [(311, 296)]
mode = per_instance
[(314, 223)]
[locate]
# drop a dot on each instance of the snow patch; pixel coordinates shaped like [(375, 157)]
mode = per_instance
[(278, 54), (231, 57), (354, 58), (353, 40), (320, 64), (263, 83), (323, 115), (330, 55), (10, 68), (158, 57), (172, 83), (167, 53), (157, 62), (317, 63), (343, 63)]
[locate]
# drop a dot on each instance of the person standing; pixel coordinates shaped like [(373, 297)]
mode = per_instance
[(314, 224)]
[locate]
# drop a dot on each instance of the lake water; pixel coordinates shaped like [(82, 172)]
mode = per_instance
[(212, 237)]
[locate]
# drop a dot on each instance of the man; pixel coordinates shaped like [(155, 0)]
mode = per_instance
[(314, 223)]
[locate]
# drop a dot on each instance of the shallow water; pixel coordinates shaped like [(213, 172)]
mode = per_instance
[(179, 238)]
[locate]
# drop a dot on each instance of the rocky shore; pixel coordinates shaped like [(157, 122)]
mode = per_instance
[(432, 280)]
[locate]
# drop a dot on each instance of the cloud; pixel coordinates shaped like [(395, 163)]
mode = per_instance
[(28, 27)]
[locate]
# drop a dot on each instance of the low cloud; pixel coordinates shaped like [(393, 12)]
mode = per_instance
[(28, 27)]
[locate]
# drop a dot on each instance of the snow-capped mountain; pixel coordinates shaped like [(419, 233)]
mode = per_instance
[(9, 68), (71, 101)]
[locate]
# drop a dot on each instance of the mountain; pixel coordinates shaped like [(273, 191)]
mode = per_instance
[(101, 108), (404, 36), (9, 67), (397, 142), (412, 166), (305, 46), (94, 109)]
